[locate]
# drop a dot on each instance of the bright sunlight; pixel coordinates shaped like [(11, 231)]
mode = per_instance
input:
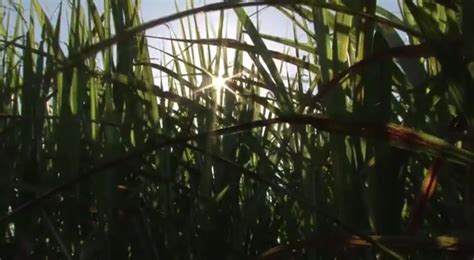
[(219, 83)]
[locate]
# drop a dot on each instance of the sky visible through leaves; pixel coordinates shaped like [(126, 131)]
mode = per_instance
[(270, 21)]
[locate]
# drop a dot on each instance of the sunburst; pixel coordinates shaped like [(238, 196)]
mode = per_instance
[(219, 83)]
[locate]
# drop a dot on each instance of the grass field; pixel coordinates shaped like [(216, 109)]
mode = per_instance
[(354, 140)]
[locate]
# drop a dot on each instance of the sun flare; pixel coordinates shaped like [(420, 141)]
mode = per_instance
[(219, 83)]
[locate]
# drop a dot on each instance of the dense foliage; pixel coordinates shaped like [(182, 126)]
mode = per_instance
[(352, 140)]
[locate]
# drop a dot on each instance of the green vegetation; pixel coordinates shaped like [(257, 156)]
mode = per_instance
[(354, 141)]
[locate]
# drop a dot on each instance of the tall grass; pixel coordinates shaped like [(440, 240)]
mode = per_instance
[(353, 141)]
